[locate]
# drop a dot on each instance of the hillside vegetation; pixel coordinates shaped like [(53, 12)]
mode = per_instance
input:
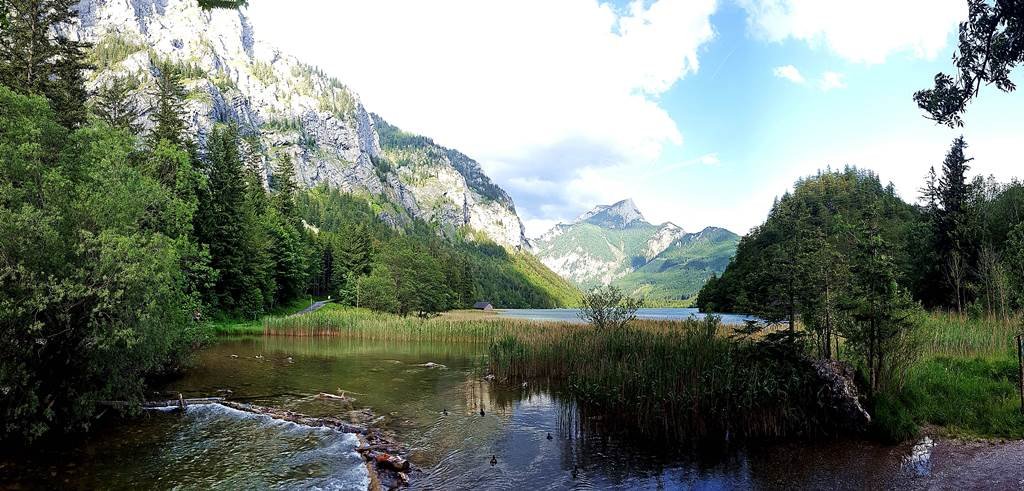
[(846, 263)]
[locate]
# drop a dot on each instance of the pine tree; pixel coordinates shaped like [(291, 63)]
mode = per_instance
[(115, 105), (252, 162), (66, 88), (952, 222), (168, 115), (882, 311), (34, 61), (223, 221), (285, 188), (354, 252)]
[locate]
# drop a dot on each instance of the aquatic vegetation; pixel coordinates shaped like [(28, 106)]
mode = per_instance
[(674, 381), (366, 324)]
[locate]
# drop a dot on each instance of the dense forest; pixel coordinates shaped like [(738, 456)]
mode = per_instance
[(122, 233), (848, 258)]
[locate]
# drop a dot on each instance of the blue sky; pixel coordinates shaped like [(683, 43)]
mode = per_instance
[(702, 111)]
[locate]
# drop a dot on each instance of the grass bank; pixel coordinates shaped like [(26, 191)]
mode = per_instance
[(233, 326), (965, 383)]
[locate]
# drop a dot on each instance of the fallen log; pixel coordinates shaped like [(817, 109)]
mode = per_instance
[(186, 402), (382, 455), (302, 419)]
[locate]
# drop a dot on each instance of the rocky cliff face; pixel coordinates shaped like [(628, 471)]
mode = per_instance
[(292, 107)]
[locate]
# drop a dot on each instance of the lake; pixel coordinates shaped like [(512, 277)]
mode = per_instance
[(572, 315), (436, 412)]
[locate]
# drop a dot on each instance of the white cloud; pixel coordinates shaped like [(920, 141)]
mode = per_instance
[(527, 87), (709, 159), (789, 72), (866, 31), (832, 80)]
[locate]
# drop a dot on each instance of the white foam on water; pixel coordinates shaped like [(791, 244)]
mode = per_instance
[(309, 457), (163, 409)]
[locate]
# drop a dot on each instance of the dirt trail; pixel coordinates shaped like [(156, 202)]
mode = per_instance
[(312, 308)]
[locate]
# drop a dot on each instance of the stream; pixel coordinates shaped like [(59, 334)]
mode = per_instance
[(435, 411)]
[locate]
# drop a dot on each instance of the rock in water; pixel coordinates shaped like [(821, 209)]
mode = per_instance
[(841, 395)]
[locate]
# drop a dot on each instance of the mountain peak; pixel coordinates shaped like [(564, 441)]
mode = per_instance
[(617, 215)]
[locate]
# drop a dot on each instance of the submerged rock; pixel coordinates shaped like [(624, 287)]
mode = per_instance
[(431, 364)]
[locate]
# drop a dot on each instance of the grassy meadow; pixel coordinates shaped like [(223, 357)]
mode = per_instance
[(965, 383)]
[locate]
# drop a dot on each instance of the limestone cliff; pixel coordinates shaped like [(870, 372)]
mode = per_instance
[(293, 108)]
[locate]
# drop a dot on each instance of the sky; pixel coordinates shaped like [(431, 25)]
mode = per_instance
[(701, 111)]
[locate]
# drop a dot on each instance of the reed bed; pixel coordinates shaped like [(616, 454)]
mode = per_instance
[(368, 325), (672, 381), (692, 380)]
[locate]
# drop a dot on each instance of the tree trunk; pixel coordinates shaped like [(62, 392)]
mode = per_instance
[(828, 323), (1020, 364)]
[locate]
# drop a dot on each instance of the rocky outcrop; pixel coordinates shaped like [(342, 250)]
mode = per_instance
[(293, 108), (619, 215), (839, 395)]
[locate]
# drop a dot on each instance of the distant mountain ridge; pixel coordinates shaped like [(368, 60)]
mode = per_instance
[(614, 244)]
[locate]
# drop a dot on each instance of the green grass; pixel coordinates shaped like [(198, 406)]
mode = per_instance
[(231, 326), (947, 334), (964, 385)]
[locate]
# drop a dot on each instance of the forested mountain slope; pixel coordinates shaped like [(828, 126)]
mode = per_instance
[(292, 108)]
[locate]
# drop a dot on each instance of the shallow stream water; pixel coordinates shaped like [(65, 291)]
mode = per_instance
[(436, 412)]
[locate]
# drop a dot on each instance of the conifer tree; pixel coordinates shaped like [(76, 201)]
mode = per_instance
[(35, 60), (66, 89), (169, 113), (285, 188), (953, 224), (115, 105), (223, 220)]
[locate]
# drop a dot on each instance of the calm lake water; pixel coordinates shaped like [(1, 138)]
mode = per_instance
[(572, 315), (211, 447)]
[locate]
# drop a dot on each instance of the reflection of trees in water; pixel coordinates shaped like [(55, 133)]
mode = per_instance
[(828, 464)]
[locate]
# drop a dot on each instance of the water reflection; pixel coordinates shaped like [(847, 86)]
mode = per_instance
[(436, 412)]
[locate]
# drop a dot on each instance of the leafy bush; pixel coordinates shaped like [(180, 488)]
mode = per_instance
[(607, 307), (93, 293)]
